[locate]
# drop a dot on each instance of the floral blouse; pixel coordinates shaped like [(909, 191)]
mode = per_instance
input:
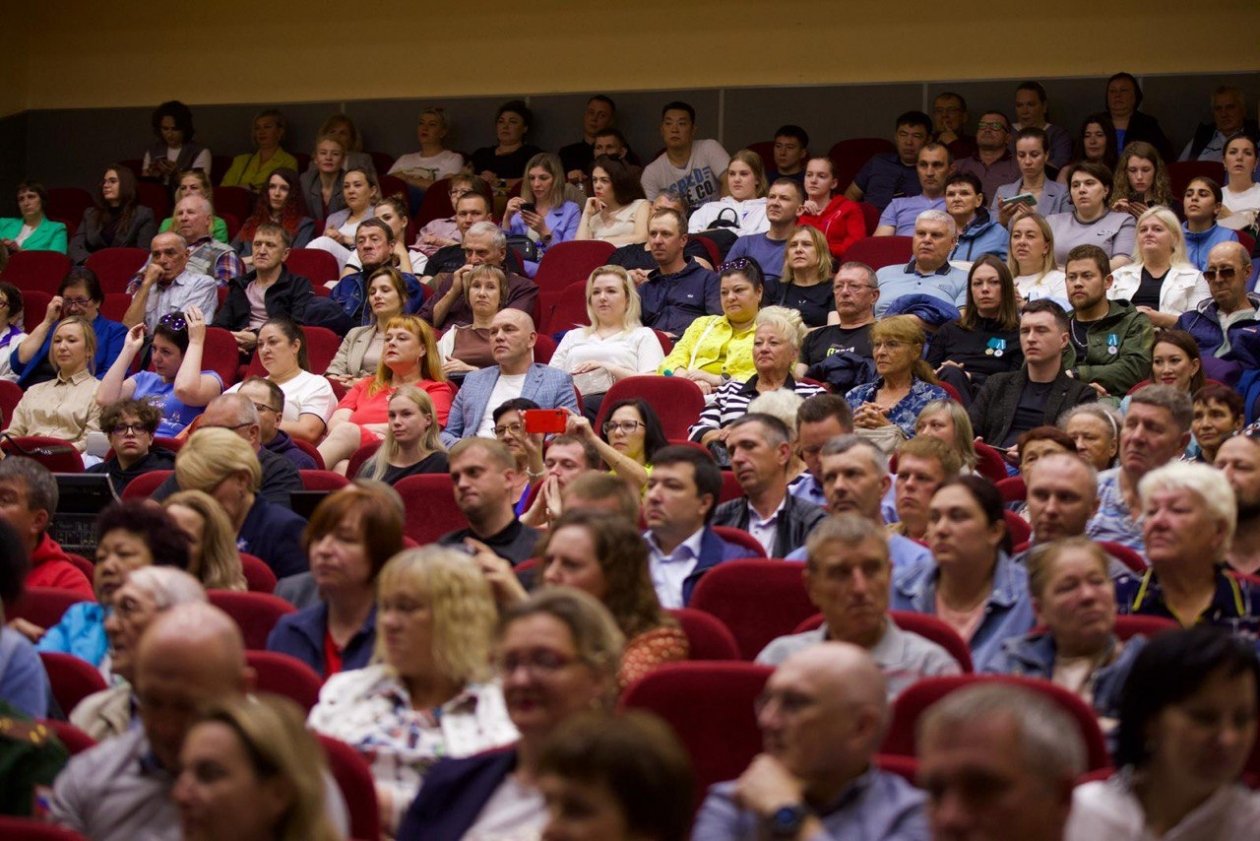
[(906, 413)]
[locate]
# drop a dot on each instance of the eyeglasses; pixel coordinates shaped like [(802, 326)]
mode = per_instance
[(992, 126), (174, 321), (128, 429), (851, 287), (1224, 272), (514, 428), (263, 407), (76, 302), (628, 427), (538, 661)]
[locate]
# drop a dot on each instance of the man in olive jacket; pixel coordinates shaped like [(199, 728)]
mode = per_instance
[(1110, 341)]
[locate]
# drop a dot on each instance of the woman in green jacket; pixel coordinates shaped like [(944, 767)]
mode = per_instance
[(34, 231)]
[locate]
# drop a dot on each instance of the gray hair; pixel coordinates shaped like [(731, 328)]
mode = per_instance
[(938, 216), (780, 403), (1206, 482), (41, 485), (849, 529), (168, 586), (493, 232), (864, 269), (246, 411), (206, 206), (774, 430), (844, 443), (1175, 401), (1049, 738), (1097, 410)]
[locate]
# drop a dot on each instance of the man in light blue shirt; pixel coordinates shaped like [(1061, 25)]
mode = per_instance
[(933, 167), (822, 717), (929, 271)]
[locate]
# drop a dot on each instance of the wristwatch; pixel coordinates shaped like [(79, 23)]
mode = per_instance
[(786, 821)]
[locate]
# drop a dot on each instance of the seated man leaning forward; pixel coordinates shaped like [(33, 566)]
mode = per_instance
[(822, 716), (514, 374), (928, 272), (847, 576)]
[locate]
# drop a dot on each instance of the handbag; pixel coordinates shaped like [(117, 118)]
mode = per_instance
[(525, 248)]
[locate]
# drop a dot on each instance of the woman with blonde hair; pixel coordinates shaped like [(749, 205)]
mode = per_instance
[(948, 421), (541, 212), (252, 772), (434, 161), (412, 443), (321, 183), (805, 284), (251, 170), (361, 349), (428, 693), (466, 347), (742, 207), (223, 464), (885, 411), (1161, 282), (64, 407), (615, 345), (1030, 257), (409, 357), (213, 558), (341, 127)]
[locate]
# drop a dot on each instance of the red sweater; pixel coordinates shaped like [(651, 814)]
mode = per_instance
[(841, 221), (50, 567)]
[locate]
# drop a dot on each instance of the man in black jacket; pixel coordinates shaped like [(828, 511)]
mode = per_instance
[(761, 451), (283, 293), (1010, 404)]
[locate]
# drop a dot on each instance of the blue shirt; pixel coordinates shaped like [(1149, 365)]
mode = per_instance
[(902, 212), (80, 632), (878, 805), (767, 252), (946, 283), (906, 412), (176, 415), (672, 301), (884, 178), (1199, 245), (562, 221), (905, 554), (1113, 522), (274, 534), (110, 336), (982, 236)]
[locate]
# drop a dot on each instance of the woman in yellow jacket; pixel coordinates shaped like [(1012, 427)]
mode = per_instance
[(718, 348)]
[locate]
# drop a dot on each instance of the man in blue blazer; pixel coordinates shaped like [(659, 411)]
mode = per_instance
[(515, 374), (682, 494)]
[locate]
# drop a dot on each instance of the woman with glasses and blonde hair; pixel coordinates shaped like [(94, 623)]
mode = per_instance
[(616, 345), (412, 445), (429, 693), (906, 384), (541, 212), (1161, 282), (409, 357)]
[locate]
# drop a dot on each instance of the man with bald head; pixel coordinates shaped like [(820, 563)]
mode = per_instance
[(237, 412), (167, 284), (1062, 496), (514, 374), (1226, 326), (822, 716)]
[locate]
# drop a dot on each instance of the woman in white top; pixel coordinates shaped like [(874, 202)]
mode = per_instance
[(429, 693), (1241, 193), (618, 212), (1162, 283), (743, 207), (1187, 724), (308, 398), (433, 162), (1031, 260), (615, 345), (361, 193), (1091, 222)]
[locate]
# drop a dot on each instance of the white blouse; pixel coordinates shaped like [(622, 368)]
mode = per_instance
[(637, 349), (1110, 810)]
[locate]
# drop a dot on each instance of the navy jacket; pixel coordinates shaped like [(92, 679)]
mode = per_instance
[(282, 445), (453, 795), (672, 301), (1204, 323), (301, 635), (274, 534), (713, 551)]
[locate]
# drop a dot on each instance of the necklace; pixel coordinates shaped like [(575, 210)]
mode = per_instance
[(1077, 340)]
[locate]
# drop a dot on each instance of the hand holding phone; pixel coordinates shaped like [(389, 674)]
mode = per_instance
[(545, 421)]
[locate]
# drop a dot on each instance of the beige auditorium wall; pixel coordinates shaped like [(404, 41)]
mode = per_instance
[(14, 79), (142, 51)]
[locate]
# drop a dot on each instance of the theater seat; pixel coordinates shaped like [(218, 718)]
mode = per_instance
[(707, 637), (566, 263), (115, 267), (258, 576), (757, 600), (10, 396), (43, 606), (358, 789), (315, 265), (360, 456), (284, 674), (72, 679), (27, 829), (430, 505), (254, 613), (143, 486), (57, 455), (75, 740), (926, 626), (878, 252), (322, 480), (1013, 489), (677, 401), (1125, 555), (36, 270), (741, 538)]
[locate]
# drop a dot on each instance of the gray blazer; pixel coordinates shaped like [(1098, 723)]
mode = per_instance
[(549, 387), (1054, 197), (349, 359)]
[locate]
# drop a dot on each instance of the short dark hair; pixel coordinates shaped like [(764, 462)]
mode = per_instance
[(654, 439), (1092, 253), (775, 425), (144, 411), (1221, 393), (85, 276), (1170, 668), (273, 229), (516, 404), (1035, 87), (36, 188), (380, 525), (167, 542), (795, 132), (916, 118), (1033, 133), (952, 95), (13, 296), (1047, 305), (987, 496), (276, 393), (746, 266), (1137, 89), (589, 453), (179, 112), (604, 98), (518, 107), (612, 131), (14, 565), (679, 105), (486, 201), (707, 474), (785, 181), (41, 487), (1101, 172), (999, 112), (822, 406), (965, 178)]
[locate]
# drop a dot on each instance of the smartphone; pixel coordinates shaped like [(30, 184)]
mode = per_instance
[(545, 421), (1137, 198), (1023, 198), (529, 207)]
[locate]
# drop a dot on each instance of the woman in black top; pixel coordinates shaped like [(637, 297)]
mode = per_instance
[(506, 160), (411, 444), (986, 339), (805, 285), (116, 220)]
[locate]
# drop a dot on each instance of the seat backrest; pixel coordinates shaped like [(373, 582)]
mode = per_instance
[(1013, 489), (322, 480), (730, 487), (155, 197), (1017, 527), (1148, 626), (72, 679), (677, 401), (43, 606), (30, 829), (1181, 173), (707, 637), (878, 252), (757, 600), (58, 455), (710, 707), (67, 204), (75, 740), (10, 396), (870, 217), (360, 456), (284, 674), (221, 355), (34, 307), (566, 263), (36, 270), (436, 204), (311, 450), (258, 576), (143, 486), (989, 464), (430, 505), (741, 538), (254, 613), (315, 265), (916, 699), (849, 155), (115, 267), (565, 309), (238, 201), (83, 564), (544, 348), (358, 789), (1125, 555)]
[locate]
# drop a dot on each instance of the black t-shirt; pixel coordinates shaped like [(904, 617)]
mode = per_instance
[(432, 463), (1030, 412), (159, 458), (515, 543), (1147, 294), (1078, 335), (511, 165), (814, 303), (636, 256), (833, 339), (985, 350)]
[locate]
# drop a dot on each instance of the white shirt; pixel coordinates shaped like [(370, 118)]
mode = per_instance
[(1110, 810), (764, 530), (515, 812), (305, 394), (670, 571), (1052, 285), (1243, 207), (637, 349), (508, 387), (441, 165)]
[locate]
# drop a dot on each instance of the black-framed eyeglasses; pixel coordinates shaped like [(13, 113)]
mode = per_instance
[(174, 321), (128, 429), (263, 407), (628, 427), (76, 302), (1225, 273)]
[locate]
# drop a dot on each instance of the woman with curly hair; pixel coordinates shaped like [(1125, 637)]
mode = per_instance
[(281, 203), (1141, 180)]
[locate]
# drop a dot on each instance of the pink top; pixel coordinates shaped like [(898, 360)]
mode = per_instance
[(375, 409)]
